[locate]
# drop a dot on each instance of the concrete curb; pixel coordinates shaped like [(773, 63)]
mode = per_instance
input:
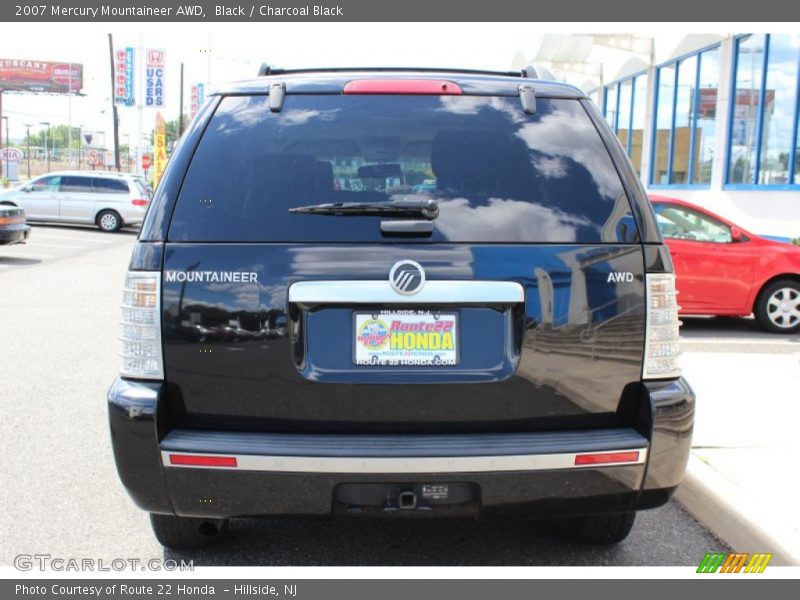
[(729, 514)]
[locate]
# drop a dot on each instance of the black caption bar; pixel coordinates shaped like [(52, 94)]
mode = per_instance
[(732, 588), (625, 11)]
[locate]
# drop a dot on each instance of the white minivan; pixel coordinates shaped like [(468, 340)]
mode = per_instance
[(107, 199)]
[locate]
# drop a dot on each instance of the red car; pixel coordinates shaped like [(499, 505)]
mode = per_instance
[(724, 270)]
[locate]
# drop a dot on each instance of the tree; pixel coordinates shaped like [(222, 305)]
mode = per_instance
[(56, 138), (172, 131)]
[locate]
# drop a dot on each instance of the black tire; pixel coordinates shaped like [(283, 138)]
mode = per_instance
[(597, 529), (109, 221), (187, 533), (777, 309)]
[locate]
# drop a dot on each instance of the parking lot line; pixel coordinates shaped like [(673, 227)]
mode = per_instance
[(93, 238), (38, 245)]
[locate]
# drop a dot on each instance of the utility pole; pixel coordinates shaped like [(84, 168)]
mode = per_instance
[(113, 104), (180, 113), (28, 127), (46, 147)]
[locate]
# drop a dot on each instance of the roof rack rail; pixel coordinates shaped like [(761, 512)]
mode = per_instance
[(537, 72), (266, 69)]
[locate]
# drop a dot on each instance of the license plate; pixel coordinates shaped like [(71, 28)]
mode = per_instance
[(421, 338)]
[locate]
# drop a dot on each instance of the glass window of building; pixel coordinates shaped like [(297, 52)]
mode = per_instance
[(763, 145), (746, 100), (639, 113), (686, 117), (664, 113), (610, 106), (780, 100), (684, 120), (706, 124), (626, 115)]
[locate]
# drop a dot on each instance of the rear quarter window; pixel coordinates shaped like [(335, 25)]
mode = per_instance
[(110, 186), (497, 174)]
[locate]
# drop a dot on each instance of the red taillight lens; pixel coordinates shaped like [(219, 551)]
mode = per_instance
[(202, 461), (607, 458), (15, 220), (139, 202), (425, 87)]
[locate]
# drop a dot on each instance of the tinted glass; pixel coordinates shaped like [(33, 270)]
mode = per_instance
[(498, 174), (75, 184), (110, 186)]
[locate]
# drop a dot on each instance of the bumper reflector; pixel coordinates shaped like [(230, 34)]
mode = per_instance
[(602, 458), (202, 461)]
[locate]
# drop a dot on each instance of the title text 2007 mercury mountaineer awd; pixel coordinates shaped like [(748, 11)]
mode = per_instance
[(400, 293)]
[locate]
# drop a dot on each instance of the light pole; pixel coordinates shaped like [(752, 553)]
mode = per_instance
[(28, 128), (8, 145), (46, 149), (80, 144)]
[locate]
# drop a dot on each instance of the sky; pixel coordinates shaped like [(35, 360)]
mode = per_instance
[(236, 51)]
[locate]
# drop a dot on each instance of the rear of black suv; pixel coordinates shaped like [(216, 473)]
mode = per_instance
[(402, 294)]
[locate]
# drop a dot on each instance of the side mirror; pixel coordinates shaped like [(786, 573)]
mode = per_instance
[(737, 235)]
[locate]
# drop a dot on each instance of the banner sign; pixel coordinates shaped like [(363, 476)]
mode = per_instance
[(154, 78), (198, 97), (123, 77), (40, 76), (160, 149)]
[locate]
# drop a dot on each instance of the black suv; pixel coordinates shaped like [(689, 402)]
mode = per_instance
[(399, 293)]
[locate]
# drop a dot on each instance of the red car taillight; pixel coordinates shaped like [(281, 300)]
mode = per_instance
[(139, 202), (13, 220)]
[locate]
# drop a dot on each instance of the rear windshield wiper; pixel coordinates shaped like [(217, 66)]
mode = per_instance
[(401, 208)]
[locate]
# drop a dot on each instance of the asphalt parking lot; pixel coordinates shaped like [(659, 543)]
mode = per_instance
[(59, 311)]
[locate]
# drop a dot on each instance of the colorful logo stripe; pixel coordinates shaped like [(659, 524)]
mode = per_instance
[(734, 562)]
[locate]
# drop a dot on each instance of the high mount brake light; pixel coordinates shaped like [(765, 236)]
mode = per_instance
[(422, 87)]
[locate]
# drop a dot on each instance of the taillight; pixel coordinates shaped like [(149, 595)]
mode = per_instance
[(662, 342), (12, 220), (141, 326), (139, 202)]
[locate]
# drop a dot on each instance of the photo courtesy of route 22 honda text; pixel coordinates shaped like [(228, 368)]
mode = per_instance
[(411, 293)]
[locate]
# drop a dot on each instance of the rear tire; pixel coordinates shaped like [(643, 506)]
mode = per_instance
[(777, 309), (109, 221), (597, 529), (187, 533)]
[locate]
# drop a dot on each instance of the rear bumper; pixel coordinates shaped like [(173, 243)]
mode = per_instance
[(541, 474), (14, 234)]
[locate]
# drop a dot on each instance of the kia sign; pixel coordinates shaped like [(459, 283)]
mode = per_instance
[(10, 155), (146, 161), (154, 78), (40, 76)]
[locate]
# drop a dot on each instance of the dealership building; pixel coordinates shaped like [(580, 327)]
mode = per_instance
[(710, 119)]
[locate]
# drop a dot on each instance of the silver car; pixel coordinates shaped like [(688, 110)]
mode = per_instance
[(107, 199)]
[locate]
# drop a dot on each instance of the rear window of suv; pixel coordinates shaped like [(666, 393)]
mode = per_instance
[(497, 174)]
